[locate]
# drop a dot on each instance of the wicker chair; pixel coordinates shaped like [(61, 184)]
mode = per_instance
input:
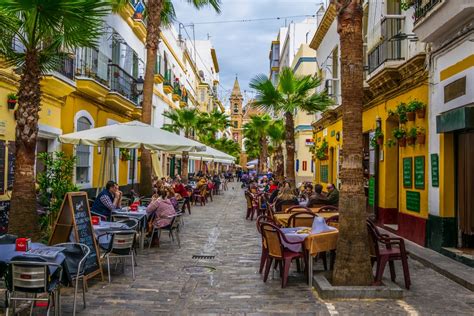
[(301, 219)]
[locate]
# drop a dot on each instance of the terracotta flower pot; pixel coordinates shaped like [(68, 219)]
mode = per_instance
[(421, 113), (380, 140), (402, 142), (411, 116), (411, 140), (420, 139), (11, 104)]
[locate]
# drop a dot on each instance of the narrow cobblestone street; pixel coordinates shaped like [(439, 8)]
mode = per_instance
[(164, 284)]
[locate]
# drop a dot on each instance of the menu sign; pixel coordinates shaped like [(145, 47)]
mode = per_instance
[(413, 201), (74, 222), (11, 165), (420, 172), (372, 191), (435, 170), (407, 172)]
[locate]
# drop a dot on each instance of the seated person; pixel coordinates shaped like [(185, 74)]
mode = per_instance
[(318, 198), (307, 191), (163, 209), (108, 200), (333, 195), (286, 197)]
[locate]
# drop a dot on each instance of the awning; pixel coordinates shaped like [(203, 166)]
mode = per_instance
[(210, 154), (461, 118), (133, 134)]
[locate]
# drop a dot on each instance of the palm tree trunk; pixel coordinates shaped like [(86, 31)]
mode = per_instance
[(279, 164), (23, 218), (154, 8), (184, 164), (352, 260), (290, 148), (262, 159)]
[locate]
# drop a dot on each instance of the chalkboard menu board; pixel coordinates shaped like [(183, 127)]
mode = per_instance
[(407, 172), (413, 201), (11, 165), (420, 172), (74, 222), (2, 167), (435, 170), (4, 209)]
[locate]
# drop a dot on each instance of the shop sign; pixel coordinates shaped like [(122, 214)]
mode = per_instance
[(372, 191), (434, 170), (413, 201), (407, 172), (309, 142), (420, 172)]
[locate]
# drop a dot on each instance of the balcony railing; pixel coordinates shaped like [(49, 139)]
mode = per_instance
[(123, 83), (392, 45), (168, 77), (422, 7), (275, 64), (92, 64), (66, 67)]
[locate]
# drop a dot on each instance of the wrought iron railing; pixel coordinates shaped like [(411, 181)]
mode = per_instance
[(123, 83), (422, 7), (392, 47), (92, 64), (168, 77), (66, 67)]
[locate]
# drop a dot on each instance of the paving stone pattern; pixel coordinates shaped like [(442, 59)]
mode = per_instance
[(163, 287)]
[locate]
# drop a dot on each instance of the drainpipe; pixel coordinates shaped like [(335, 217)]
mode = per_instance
[(375, 211)]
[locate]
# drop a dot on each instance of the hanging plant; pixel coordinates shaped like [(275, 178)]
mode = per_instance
[(401, 135), (401, 112), (420, 135), (125, 154), (11, 101), (377, 139), (418, 107), (391, 143), (322, 151), (412, 135)]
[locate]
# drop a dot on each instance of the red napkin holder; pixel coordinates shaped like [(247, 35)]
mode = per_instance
[(95, 220), (23, 244), (134, 207)]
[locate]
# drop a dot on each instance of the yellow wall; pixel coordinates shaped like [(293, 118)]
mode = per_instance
[(387, 185)]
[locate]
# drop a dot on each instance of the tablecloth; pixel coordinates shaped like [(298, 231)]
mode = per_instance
[(282, 218)]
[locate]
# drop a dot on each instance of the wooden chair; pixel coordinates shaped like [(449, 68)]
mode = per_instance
[(199, 196), (264, 256), (328, 209), (301, 219), (387, 249), (297, 208), (273, 238), (251, 205)]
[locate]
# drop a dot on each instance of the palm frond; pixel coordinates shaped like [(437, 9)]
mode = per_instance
[(198, 4), (267, 96)]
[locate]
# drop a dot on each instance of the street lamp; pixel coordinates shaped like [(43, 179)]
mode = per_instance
[(139, 85)]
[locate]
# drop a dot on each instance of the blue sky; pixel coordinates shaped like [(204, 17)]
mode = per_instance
[(243, 48)]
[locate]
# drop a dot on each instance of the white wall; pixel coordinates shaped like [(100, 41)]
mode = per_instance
[(440, 61), (298, 33)]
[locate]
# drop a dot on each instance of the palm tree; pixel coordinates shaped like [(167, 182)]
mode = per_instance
[(256, 129), (215, 121), (290, 94), (352, 261), (154, 10), (276, 133), (182, 120), (45, 29)]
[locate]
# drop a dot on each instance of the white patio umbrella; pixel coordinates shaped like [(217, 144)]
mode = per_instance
[(210, 154), (130, 135)]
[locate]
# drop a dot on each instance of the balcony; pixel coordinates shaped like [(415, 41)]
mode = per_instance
[(123, 83), (393, 45), (92, 76), (429, 13), (167, 85), (60, 82), (176, 92), (159, 72)]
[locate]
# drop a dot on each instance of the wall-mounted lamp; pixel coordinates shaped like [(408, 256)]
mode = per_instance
[(139, 85)]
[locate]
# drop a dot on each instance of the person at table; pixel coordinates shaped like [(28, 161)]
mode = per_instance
[(286, 197), (333, 195), (272, 186), (108, 200), (318, 198), (216, 180), (163, 210), (180, 189), (307, 191)]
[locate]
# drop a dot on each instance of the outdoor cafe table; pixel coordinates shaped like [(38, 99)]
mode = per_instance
[(8, 252), (139, 215), (313, 244), (282, 218), (102, 230)]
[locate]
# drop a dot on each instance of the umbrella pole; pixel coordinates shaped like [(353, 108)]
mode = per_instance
[(133, 167), (102, 170), (115, 177)]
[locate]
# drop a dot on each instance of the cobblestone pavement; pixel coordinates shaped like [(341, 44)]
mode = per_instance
[(164, 287)]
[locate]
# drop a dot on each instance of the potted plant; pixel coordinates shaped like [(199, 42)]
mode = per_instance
[(377, 140), (420, 135), (419, 107), (125, 154), (411, 136), (11, 100), (391, 143), (412, 107), (401, 112), (322, 151), (401, 136)]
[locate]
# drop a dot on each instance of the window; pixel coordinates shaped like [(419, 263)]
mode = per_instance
[(132, 166), (83, 153), (236, 124), (305, 165)]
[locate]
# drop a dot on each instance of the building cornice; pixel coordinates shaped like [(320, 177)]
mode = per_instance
[(324, 26)]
